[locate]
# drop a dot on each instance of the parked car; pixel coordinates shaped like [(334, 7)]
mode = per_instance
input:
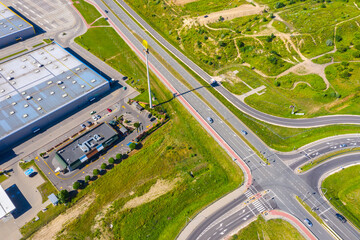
[(205, 16), (89, 123), (83, 126), (92, 112), (98, 116), (94, 117), (340, 217), (109, 110), (244, 132), (210, 120), (308, 222), (343, 145), (106, 11)]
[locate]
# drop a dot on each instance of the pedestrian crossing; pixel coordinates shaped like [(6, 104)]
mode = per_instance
[(248, 194), (257, 204)]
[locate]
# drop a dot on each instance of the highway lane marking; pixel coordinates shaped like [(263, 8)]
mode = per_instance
[(325, 211)]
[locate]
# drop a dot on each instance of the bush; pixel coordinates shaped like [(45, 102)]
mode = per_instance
[(342, 49), (356, 54), (273, 59), (222, 44), (111, 160), (279, 5), (76, 185), (277, 83), (338, 38), (329, 42), (87, 178), (270, 38), (118, 156), (103, 166), (96, 172), (272, 15), (132, 146), (63, 196)]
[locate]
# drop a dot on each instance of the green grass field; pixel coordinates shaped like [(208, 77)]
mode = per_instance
[(274, 229), (101, 22), (177, 149), (87, 10), (342, 189)]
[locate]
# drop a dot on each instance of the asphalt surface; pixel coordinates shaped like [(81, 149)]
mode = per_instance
[(277, 177), (294, 123), (298, 158)]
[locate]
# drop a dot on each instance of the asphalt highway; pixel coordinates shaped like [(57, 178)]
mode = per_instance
[(277, 177), (294, 123), (298, 158)]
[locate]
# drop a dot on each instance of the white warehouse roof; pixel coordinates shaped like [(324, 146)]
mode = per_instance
[(6, 205)]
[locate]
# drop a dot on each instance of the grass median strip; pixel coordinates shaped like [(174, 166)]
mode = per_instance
[(326, 157), (308, 208), (11, 55), (342, 189)]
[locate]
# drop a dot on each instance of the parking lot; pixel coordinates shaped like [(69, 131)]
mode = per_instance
[(129, 113)]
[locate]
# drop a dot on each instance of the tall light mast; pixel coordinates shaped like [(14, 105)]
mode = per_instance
[(146, 50)]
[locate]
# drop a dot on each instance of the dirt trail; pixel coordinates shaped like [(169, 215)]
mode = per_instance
[(241, 11), (50, 230), (299, 82), (159, 188), (182, 2)]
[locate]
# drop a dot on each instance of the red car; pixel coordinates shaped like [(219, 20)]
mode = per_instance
[(109, 110)]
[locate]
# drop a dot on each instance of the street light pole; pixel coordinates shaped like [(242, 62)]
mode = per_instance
[(146, 50)]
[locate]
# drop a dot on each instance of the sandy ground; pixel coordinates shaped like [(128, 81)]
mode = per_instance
[(241, 11), (50, 230), (159, 188)]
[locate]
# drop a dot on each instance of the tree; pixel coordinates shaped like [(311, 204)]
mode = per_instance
[(103, 166), (63, 196), (111, 160), (338, 38), (132, 146), (96, 172), (87, 178), (329, 42), (118, 156), (279, 5), (137, 125), (76, 185), (222, 44)]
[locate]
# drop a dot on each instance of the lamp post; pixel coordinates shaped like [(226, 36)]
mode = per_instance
[(146, 50)]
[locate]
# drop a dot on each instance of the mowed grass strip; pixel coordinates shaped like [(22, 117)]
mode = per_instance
[(87, 10), (274, 229), (180, 149), (342, 189)]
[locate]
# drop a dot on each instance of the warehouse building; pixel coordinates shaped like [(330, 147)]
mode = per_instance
[(41, 86), (6, 205), (85, 147), (13, 28)]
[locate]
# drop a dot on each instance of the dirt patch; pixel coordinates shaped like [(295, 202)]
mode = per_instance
[(332, 106), (159, 188), (241, 11), (51, 229), (182, 2)]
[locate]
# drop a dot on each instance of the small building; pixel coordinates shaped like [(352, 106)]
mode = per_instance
[(13, 28), (85, 147), (53, 199), (6, 205), (123, 130)]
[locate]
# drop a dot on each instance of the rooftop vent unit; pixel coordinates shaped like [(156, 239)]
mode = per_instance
[(5, 26), (23, 66), (28, 97), (20, 25), (12, 112), (11, 28), (24, 60), (8, 96), (82, 86), (14, 103), (51, 49), (9, 78), (93, 80), (50, 82), (25, 116), (44, 58), (63, 87), (13, 82), (52, 93), (12, 71), (64, 59), (39, 99), (77, 69), (55, 67), (39, 108), (68, 77), (64, 95), (2, 90), (41, 53), (74, 82), (59, 82), (26, 105), (23, 93), (37, 70), (11, 18), (1, 23), (1, 69), (34, 61), (39, 65)]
